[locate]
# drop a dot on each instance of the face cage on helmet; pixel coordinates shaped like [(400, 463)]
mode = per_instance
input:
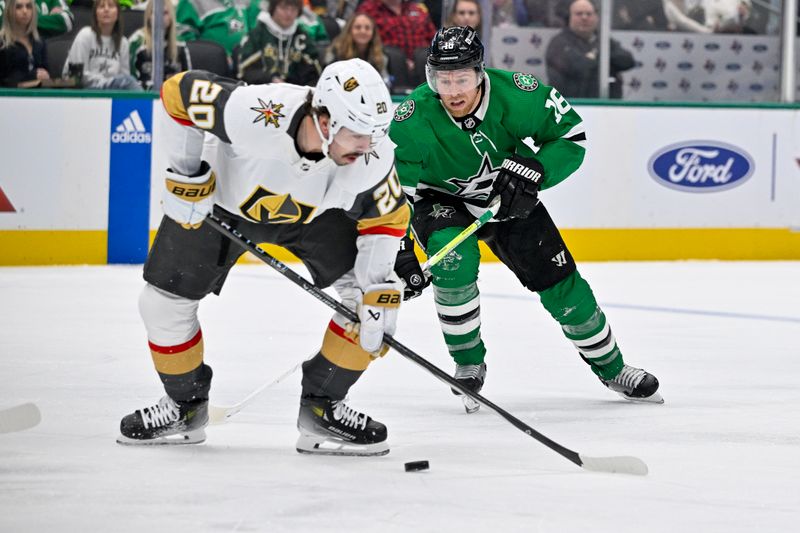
[(431, 72)]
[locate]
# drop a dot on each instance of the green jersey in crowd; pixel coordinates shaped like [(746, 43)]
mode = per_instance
[(462, 157), (223, 21), (48, 23)]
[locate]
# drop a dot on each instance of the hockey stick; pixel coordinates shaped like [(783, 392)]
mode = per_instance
[(220, 414), (21, 417), (617, 464), (458, 239)]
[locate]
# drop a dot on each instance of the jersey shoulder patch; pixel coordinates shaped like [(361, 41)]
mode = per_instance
[(404, 110), (525, 82)]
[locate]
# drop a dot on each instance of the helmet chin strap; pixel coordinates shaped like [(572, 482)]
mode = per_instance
[(325, 140)]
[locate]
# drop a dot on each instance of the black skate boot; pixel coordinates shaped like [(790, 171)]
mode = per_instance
[(167, 422), (472, 377), (331, 427), (635, 384)]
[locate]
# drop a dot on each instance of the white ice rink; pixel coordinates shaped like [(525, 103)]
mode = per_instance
[(723, 451)]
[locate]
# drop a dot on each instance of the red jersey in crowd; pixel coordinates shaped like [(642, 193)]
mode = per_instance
[(411, 29)]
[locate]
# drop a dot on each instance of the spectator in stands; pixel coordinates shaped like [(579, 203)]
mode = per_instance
[(277, 50), (541, 13), (678, 18), (23, 57), (226, 22), (572, 55), (103, 51), (176, 55), (312, 24), (53, 16), (466, 13), (509, 13), (645, 15), (360, 39), (342, 9), (404, 24), (728, 16)]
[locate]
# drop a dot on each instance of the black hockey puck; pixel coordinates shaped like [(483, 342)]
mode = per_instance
[(417, 466)]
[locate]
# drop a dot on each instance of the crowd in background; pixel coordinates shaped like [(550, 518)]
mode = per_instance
[(92, 43)]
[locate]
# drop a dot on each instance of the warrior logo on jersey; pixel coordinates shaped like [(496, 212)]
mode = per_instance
[(266, 207), (404, 110), (479, 185), (269, 113), (526, 82), (350, 85)]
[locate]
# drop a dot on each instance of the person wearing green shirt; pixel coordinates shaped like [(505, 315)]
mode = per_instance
[(53, 16), (464, 144), (223, 21)]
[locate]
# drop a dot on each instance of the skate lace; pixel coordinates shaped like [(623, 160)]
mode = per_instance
[(348, 416), (160, 414), (469, 372), (629, 377)]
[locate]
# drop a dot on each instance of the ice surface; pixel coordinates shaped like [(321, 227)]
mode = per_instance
[(723, 451)]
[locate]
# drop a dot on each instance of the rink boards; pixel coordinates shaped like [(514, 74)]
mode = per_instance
[(81, 181)]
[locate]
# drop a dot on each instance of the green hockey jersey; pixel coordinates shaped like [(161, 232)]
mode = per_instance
[(223, 21), (517, 114)]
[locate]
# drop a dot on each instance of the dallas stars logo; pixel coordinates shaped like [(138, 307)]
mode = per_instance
[(442, 211), (526, 82), (269, 113), (479, 185)]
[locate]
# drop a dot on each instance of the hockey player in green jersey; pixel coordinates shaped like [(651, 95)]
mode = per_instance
[(461, 146)]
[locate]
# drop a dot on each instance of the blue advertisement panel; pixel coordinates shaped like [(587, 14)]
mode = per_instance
[(129, 180)]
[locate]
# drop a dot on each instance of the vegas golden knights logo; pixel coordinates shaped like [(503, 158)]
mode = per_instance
[(350, 85), (266, 207)]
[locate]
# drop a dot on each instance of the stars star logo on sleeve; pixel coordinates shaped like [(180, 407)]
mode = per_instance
[(269, 113)]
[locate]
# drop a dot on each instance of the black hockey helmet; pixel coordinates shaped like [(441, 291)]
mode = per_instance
[(455, 48)]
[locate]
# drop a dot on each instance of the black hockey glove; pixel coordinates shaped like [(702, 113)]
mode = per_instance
[(407, 267), (518, 184)]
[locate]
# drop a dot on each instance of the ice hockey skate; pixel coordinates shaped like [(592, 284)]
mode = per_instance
[(472, 377), (331, 427), (635, 384), (167, 422)]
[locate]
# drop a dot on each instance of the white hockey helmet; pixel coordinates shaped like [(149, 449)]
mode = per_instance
[(356, 98)]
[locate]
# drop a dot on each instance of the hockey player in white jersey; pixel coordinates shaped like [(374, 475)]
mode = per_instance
[(308, 169)]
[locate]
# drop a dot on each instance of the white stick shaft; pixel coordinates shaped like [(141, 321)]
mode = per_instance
[(219, 414)]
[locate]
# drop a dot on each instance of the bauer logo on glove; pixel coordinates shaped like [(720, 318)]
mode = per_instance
[(188, 199)]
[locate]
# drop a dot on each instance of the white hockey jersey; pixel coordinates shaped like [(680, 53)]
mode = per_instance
[(261, 174)]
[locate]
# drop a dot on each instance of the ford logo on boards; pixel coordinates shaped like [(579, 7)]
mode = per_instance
[(701, 166), (510, 40)]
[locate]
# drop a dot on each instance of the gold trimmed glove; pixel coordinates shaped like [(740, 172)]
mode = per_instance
[(188, 199)]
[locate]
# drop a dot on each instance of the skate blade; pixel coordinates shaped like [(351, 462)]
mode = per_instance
[(470, 405), (653, 398), (192, 437), (316, 445)]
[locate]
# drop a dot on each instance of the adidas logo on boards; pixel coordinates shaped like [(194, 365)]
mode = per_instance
[(131, 130)]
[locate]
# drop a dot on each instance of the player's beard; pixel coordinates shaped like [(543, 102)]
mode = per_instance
[(470, 100)]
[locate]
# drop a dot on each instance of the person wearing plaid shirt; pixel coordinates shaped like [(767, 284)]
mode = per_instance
[(401, 23)]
